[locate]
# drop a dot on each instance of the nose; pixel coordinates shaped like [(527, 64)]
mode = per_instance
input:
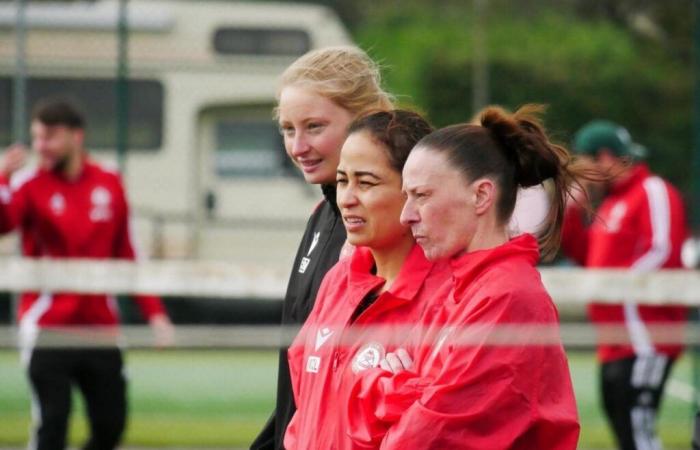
[(300, 145), (409, 214), (345, 196)]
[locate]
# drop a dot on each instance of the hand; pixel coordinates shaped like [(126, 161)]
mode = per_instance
[(397, 361), (12, 160), (163, 330)]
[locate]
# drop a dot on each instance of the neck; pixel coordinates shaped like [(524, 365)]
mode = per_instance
[(489, 234), (390, 259), (74, 166)]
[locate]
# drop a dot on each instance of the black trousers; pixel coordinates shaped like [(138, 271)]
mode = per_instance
[(632, 390), (97, 373)]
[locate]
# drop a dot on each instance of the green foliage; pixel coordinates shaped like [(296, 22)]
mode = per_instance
[(582, 69)]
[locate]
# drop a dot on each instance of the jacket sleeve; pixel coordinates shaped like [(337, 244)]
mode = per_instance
[(150, 305), (13, 205), (658, 213), (376, 402), (492, 396), (575, 234), (296, 356), (266, 438)]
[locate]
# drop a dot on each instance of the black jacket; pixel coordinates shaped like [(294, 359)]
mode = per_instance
[(318, 252)]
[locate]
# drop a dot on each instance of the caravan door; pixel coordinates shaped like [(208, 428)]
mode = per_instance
[(253, 203)]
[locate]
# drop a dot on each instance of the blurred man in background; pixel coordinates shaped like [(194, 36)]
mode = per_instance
[(639, 223), (70, 207)]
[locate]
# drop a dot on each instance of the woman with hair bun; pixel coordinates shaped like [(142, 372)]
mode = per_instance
[(319, 95), (489, 371)]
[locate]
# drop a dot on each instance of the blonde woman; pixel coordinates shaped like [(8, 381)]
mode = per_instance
[(319, 96)]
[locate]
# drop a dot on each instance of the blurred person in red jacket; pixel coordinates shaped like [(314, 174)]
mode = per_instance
[(488, 370), (70, 207), (368, 301), (639, 224)]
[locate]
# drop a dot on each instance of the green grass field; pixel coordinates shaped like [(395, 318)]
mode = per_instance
[(221, 398)]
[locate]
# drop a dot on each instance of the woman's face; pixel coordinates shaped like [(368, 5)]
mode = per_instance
[(439, 204), (369, 194), (314, 129)]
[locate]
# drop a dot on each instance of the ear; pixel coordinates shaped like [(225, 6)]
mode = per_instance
[(484, 195), (79, 137)]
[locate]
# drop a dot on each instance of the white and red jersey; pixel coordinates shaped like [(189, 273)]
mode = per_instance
[(83, 218), (489, 369), (640, 225), (332, 350)]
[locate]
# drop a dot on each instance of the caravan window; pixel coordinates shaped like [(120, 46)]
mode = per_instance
[(249, 147), (261, 41), (97, 100)]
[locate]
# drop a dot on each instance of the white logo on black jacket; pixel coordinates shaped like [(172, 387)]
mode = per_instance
[(306, 260)]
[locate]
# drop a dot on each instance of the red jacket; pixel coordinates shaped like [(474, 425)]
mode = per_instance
[(640, 225), (473, 394), (331, 351), (85, 218)]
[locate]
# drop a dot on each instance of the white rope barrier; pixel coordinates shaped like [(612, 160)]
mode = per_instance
[(213, 279), (165, 278), (572, 335)]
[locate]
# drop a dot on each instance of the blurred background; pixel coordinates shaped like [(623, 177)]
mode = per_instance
[(180, 95)]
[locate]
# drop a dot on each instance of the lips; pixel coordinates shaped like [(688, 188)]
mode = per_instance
[(309, 165), (417, 236), (353, 223)]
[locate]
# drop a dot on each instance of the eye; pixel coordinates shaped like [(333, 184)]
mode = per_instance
[(315, 127), (341, 180), (366, 184), (286, 130)]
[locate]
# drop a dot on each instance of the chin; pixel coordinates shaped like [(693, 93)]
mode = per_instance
[(47, 165), (319, 178), (358, 241), (433, 253)]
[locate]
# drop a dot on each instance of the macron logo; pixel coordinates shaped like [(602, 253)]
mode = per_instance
[(306, 260), (314, 243), (321, 337)]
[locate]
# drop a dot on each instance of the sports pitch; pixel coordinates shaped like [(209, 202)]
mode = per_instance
[(220, 398)]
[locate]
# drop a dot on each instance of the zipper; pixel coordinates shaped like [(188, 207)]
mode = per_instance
[(336, 359)]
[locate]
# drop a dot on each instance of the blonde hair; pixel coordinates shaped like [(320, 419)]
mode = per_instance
[(345, 75)]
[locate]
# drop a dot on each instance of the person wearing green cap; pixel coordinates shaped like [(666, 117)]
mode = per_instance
[(639, 223)]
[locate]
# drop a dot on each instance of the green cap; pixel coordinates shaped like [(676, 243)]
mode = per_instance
[(600, 134)]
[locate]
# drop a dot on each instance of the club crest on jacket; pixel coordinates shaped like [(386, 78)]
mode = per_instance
[(368, 357)]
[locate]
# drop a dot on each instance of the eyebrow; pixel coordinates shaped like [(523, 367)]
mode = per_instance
[(306, 120), (361, 173), (413, 188)]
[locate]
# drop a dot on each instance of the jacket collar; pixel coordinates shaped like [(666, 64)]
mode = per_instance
[(638, 172), (467, 267), (413, 272), (329, 194)]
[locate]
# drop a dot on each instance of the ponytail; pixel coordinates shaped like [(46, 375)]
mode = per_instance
[(536, 159), (515, 151)]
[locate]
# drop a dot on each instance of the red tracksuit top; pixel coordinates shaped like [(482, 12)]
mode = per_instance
[(85, 218), (640, 225), (330, 351), (472, 394)]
